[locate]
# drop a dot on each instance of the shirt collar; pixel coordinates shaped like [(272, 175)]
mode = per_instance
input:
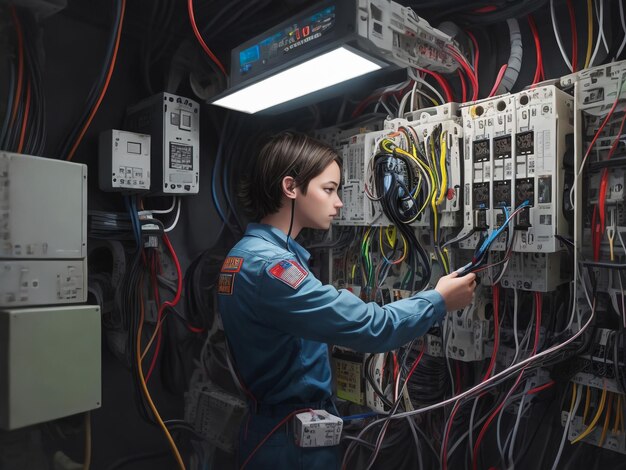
[(277, 237)]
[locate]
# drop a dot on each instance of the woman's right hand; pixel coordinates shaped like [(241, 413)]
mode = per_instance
[(457, 292)]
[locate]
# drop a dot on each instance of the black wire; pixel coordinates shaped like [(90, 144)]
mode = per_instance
[(124, 461)]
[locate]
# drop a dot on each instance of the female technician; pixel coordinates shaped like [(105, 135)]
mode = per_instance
[(278, 317)]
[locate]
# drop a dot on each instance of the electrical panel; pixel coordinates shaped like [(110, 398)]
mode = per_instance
[(357, 154), (467, 330), (515, 147), (124, 161), (441, 119), (35, 282), (173, 122), (348, 375), (36, 191), (539, 272), (50, 365), (49, 266), (403, 37), (337, 138)]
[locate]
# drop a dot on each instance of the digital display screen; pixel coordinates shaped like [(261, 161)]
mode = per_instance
[(252, 54), (133, 147), (481, 150), (525, 143), (296, 34), (181, 156), (502, 147)]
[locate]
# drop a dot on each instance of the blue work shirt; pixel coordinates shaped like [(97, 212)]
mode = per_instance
[(278, 318)]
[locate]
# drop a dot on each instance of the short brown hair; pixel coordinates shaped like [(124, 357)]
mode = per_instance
[(285, 154)]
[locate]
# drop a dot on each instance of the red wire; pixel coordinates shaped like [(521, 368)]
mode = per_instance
[(20, 62), (463, 86), (476, 52), (192, 20), (94, 110), (539, 67), (168, 303), (483, 431), (572, 23), (498, 80), (269, 434), (463, 62), (496, 328), (442, 83), (540, 388), (25, 119), (605, 177), (487, 9)]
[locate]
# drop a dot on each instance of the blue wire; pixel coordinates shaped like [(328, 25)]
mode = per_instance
[(361, 416), (213, 182), (496, 233)]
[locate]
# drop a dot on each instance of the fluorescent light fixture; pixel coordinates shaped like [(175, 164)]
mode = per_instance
[(319, 72)]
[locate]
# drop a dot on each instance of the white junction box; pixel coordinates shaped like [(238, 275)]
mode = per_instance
[(173, 123), (317, 428), (43, 208), (124, 161), (36, 282), (50, 364)]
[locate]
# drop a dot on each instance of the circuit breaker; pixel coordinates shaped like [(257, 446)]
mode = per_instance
[(514, 155), (173, 122)]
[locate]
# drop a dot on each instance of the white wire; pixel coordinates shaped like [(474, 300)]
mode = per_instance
[(471, 422), (171, 227), (515, 429), (165, 211), (600, 16), (621, 15), (567, 424), (557, 35), (419, 79)]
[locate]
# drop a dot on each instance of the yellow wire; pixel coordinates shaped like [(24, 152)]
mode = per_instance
[(144, 387), (442, 165), (587, 401), (607, 418), (595, 419), (590, 33)]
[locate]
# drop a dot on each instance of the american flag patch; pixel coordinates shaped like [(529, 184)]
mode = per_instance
[(289, 272)]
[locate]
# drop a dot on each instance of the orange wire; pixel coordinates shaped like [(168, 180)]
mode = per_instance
[(25, 119), (20, 62), (192, 20), (94, 110)]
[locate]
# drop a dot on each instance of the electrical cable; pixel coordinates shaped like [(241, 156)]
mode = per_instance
[(171, 227), (111, 67), (589, 33), (206, 49), (144, 387), (572, 23), (557, 36)]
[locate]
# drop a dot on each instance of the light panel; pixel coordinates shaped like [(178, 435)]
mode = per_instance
[(320, 72)]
